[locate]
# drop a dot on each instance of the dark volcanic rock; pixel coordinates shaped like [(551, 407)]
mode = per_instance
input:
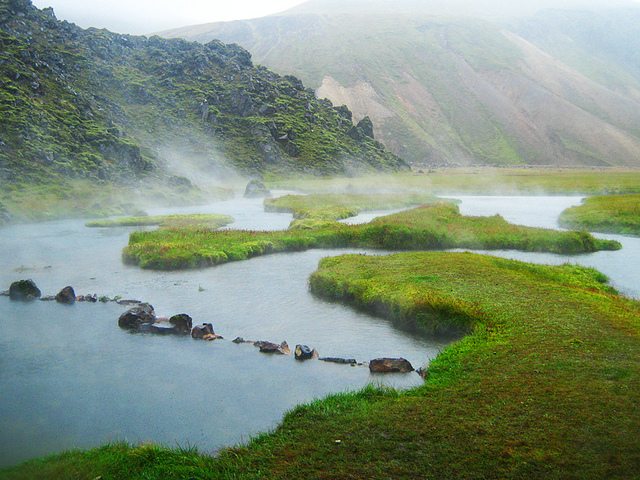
[(24, 290), (270, 347), (133, 318), (256, 189), (390, 365), (204, 332), (66, 295), (303, 352), (182, 323), (343, 361)]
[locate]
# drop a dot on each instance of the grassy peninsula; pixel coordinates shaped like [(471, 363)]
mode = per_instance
[(545, 385), (203, 221), (435, 226), (608, 214)]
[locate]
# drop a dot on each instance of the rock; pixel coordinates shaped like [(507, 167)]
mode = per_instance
[(343, 361), (303, 352), (133, 318), (269, 347), (24, 290), (48, 298), (128, 302), (241, 340), (390, 365), (256, 189), (423, 372), (66, 295), (92, 298), (163, 328), (182, 323), (204, 332)]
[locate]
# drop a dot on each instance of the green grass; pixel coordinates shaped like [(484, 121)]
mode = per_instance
[(609, 214), (480, 181), (325, 207), (194, 221), (546, 384), (436, 226)]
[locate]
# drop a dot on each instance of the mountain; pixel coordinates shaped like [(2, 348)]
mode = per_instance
[(460, 83), (106, 107)]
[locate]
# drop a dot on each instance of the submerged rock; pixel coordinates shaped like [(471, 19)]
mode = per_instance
[(162, 328), (66, 295), (343, 361), (256, 189), (182, 323), (303, 352), (128, 302), (390, 365), (24, 290), (270, 347), (241, 340), (135, 317), (204, 332), (48, 298), (91, 298)]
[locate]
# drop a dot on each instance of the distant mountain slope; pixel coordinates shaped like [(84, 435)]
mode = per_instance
[(94, 104), (444, 90)]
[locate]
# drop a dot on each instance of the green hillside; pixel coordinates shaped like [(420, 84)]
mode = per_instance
[(445, 90), (106, 108)]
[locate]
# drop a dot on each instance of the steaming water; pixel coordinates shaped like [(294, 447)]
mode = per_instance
[(71, 378), (622, 266)]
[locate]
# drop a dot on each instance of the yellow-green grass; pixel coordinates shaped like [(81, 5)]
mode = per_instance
[(435, 226), (202, 221), (608, 214), (546, 384), (480, 181), (323, 207)]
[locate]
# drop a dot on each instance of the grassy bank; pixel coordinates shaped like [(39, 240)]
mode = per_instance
[(545, 385), (608, 214), (481, 181), (204, 221), (435, 226), (324, 207)]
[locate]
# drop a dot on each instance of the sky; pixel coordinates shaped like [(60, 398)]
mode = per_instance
[(147, 16)]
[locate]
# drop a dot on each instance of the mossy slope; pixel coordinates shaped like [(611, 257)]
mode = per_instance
[(545, 385)]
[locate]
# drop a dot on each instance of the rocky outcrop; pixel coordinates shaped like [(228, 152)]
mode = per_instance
[(256, 189), (390, 365), (24, 290), (303, 352), (182, 323), (67, 295), (137, 316), (204, 332), (270, 347)]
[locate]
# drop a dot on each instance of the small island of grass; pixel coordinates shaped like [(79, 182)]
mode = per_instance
[(606, 214), (436, 226), (192, 221)]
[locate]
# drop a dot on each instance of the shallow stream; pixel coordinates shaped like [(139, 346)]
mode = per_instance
[(72, 379)]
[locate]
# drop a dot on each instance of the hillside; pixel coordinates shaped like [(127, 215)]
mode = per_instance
[(443, 88), (109, 108)]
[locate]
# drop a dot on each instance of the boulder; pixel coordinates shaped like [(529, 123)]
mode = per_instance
[(66, 295), (342, 361), (270, 347), (256, 189), (182, 323), (390, 365), (204, 332), (133, 318), (24, 290), (303, 352)]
